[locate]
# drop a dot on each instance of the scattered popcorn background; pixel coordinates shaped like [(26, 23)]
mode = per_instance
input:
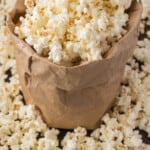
[(22, 128)]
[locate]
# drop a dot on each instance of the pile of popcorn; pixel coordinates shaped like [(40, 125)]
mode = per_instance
[(68, 31), (5, 5), (22, 128)]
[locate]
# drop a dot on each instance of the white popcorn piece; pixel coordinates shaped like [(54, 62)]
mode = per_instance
[(96, 134), (55, 52), (148, 34), (108, 145), (28, 140), (70, 145)]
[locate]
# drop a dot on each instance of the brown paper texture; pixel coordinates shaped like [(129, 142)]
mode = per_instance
[(73, 96)]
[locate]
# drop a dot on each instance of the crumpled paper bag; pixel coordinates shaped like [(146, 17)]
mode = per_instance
[(72, 96)]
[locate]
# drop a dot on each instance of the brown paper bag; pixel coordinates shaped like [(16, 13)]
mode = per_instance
[(73, 96)]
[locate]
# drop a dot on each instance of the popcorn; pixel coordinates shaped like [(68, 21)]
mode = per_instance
[(66, 30), (80, 131), (14, 141), (21, 126), (3, 148), (148, 34), (26, 112), (134, 140), (29, 3), (70, 145), (55, 53), (5, 6), (123, 3), (51, 134), (108, 145), (95, 134), (29, 140), (146, 10)]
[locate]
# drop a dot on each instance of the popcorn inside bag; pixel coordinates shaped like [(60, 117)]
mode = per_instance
[(72, 32)]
